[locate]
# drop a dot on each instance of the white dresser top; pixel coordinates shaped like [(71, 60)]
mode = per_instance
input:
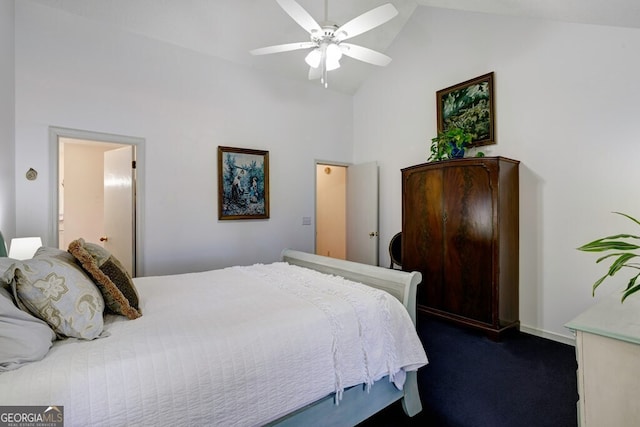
[(612, 319)]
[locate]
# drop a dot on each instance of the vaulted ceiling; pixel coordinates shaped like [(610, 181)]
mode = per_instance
[(228, 29)]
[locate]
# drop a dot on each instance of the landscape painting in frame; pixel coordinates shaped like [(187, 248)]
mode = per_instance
[(469, 106), (243, 183)]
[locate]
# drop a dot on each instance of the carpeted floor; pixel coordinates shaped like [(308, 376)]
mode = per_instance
[(471, 381)]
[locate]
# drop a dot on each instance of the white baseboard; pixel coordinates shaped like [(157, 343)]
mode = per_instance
[(565, 339)]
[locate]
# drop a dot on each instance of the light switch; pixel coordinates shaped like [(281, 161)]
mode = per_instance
[(306, 220)]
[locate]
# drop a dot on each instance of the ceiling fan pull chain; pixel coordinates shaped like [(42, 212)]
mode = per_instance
[(323, 67), (324, 61)]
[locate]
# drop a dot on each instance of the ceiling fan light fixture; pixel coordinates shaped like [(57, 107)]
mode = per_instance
[(313, 58), (333, 56), (332, 64)]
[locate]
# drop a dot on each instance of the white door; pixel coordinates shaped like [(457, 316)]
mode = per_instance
[(362, 213), (119, 206)]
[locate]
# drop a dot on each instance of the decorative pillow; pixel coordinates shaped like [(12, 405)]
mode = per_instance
[(118, 290), (45, 251), (6, 269), (23, 337), (60, 293)]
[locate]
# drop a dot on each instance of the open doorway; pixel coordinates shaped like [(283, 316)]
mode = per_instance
[(331, 210), (347, 211), (96, 193)]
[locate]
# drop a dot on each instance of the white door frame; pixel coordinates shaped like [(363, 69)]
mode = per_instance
[(55, 133)]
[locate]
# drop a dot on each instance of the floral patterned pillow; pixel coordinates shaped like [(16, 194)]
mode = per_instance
[(60, 293), (6, 269)]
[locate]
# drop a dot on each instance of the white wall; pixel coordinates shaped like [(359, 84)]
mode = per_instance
[(566, 107), (81, 74), (7, 118)]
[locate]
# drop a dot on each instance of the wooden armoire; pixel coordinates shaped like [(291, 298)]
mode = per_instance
[(460, 230)]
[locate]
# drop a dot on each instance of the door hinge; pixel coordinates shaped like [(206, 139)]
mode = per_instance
[(133, 164)]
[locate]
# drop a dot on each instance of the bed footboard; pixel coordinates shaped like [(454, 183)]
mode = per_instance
[(400, 284)]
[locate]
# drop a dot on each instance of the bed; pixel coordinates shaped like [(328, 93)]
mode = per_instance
[(302, 341)]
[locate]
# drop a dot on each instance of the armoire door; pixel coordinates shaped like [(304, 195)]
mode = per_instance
[(422, 234), (467, 217)]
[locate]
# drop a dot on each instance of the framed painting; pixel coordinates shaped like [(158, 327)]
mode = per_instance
[(243, 183), (469, 106)]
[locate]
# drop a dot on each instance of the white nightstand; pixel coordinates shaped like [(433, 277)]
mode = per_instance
[(608, 353)]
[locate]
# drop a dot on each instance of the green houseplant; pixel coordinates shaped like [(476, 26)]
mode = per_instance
[(622, 252), (449, 144)]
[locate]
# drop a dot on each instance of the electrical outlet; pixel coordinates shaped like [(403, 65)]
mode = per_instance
[(306, 220)]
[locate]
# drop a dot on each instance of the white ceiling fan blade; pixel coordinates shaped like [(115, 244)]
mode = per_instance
[(300, 15), (365, 54), (282, 48), (315, 73), (366, 21)]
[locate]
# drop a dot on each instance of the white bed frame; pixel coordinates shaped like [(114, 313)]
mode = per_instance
[(357, 404)]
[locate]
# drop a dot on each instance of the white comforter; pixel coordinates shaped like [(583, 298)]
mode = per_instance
[(238, 346)]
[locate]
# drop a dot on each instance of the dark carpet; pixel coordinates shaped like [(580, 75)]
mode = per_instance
[(471, 381)]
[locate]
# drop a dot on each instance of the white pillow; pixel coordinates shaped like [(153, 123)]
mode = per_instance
[(56, 290), (23, 337)]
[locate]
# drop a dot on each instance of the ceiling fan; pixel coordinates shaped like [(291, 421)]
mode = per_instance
[(327, 39)]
